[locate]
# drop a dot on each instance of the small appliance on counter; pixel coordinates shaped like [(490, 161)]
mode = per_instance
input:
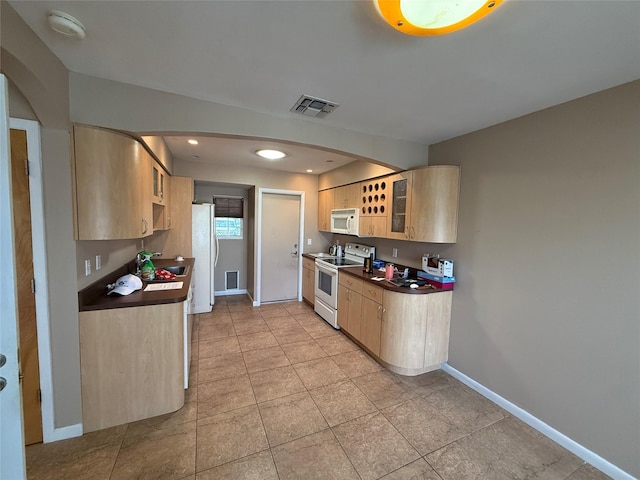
[(336, 249), (437, 266)]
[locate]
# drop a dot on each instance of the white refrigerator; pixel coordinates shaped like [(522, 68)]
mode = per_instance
[(205, 252)]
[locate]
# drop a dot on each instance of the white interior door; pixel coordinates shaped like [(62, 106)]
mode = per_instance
[(280, 251), (12, 460)]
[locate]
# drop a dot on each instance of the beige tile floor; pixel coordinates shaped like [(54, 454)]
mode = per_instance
[(278, 394)]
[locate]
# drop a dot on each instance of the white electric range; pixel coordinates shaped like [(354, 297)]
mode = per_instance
[(326, 284)]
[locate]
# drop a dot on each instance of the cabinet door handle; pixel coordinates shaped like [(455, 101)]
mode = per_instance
[(406, 232), (413, 233), (145, 226)]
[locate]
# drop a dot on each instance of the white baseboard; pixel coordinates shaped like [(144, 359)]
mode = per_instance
[(585, 454), (63, 433), (235, 291)]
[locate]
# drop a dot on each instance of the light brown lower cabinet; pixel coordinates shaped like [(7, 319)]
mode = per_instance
[(407, 333), (415, 331), (350, 304), (131, 364), (308, 280), (370, 326)]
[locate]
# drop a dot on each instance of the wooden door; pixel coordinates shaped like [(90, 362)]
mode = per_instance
[(30, 371)]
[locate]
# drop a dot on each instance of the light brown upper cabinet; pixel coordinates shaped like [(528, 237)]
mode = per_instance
[(424, 204), (434, 209), (159, 188), (158, 183), (399, 205), (325, 204), (111, 200), (347, 196), (373, 207)]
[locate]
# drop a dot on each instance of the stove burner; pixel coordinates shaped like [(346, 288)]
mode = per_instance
[(340, 262)]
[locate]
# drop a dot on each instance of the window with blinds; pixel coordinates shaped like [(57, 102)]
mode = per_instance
[(230, 207), (229, 217)]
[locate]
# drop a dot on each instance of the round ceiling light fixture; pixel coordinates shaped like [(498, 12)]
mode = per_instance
[(433, 17), (65, 24), (192, 141), (271, 154)]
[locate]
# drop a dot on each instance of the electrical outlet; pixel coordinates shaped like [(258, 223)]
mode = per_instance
[(309, 242), (394, 253), (98, 262), (87, 268)]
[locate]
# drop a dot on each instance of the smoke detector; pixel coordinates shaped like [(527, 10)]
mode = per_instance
[(314, 107), (65, 24)]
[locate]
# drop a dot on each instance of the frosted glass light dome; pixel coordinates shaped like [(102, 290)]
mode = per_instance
[(433, 17)]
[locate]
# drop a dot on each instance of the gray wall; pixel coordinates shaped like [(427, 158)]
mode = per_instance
[(263, 178), (546, 310), (233, 252), (42, 80), (117, 105), (354, 172)]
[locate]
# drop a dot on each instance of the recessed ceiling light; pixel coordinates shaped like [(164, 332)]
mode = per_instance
[(192, 141), (271, 154), (309, 170)]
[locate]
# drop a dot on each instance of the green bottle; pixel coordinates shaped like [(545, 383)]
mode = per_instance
[(147, 270)]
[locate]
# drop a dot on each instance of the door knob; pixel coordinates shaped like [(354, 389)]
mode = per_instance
[(3, 360), (3, 383)]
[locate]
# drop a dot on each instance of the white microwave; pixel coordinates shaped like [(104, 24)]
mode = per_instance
[(345, 220)]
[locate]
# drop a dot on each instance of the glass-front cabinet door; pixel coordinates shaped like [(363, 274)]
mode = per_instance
[(400, 208)]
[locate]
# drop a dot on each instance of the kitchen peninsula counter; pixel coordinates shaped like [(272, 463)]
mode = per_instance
[(134, 350), (405, 329), (94, 297)]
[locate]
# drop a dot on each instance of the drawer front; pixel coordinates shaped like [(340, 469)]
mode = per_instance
[(308, 263), (350, 282), (373, 292)]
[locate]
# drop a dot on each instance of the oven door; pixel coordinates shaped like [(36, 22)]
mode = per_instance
[(327, 285)]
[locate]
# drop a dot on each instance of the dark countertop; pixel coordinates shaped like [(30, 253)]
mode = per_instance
[(357, 272), (94, 297)]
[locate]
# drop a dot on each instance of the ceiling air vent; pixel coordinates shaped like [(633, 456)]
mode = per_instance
[(314, 107)]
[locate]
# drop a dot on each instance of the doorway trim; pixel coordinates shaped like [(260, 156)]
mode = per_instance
[(258, 265), (38, 240)]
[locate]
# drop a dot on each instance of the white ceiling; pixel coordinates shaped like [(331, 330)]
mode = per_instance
[(262, 55)]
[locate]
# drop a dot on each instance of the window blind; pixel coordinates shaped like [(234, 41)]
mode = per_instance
[(229, 207)]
